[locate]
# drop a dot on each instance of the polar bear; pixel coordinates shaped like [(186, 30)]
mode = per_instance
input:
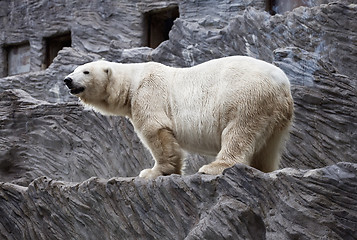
[(237, 109)]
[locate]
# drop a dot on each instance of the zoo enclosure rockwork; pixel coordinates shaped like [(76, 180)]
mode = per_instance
[(45, 132)]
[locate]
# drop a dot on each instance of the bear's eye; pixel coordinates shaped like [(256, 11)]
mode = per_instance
[(86, 72)]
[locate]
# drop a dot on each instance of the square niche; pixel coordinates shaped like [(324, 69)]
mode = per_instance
[(54, 44), (17, 58), (281, 6), (157, 25)]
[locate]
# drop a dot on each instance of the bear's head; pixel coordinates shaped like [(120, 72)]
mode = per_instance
[(89, 81)]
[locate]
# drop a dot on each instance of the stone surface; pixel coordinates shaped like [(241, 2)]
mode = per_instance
[(98, 25), (325, 111), (44, 131), (63, 141), (243, 203)]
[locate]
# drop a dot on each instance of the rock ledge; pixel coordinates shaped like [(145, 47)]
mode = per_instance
[(243, 203)]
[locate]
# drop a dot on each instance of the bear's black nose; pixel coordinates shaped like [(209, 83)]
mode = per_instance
[(68, 81)]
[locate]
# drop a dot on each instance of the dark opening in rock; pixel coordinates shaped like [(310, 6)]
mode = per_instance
[(281, 6), (157, 25), (54, 44)]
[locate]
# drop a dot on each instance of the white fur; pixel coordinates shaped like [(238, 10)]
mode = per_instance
[(238, 109)]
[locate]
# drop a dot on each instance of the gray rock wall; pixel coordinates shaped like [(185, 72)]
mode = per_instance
[(64, 141), (96, 26), (45, 132)]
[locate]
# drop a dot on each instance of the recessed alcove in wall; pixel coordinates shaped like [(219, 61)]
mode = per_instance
[(17, 58), (281, 6), (54, 44), (157, 25)]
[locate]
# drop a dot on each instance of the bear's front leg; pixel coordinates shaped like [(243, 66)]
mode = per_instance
[(166, 152)]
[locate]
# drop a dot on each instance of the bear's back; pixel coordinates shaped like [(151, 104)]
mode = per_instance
[(202, 97)]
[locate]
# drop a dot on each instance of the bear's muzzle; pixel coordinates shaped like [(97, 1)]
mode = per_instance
[(74, 89)]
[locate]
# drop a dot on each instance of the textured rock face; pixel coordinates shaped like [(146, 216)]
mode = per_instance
[(324, 126), (98, 26), (45, 132), (61, 140), (243, 203)]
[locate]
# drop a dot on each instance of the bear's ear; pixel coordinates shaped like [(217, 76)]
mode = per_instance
[(108, 71)]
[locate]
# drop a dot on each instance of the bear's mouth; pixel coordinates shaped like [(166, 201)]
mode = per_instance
[(76, 90)]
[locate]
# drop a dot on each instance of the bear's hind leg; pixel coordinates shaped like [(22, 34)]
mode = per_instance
[(267, 159), (166, 152), (237, 147)]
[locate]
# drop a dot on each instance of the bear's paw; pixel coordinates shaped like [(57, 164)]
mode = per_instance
[(150, 173)]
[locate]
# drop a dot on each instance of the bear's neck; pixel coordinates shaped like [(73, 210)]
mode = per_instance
[(118, 102), (116, 99), (111, 107)]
